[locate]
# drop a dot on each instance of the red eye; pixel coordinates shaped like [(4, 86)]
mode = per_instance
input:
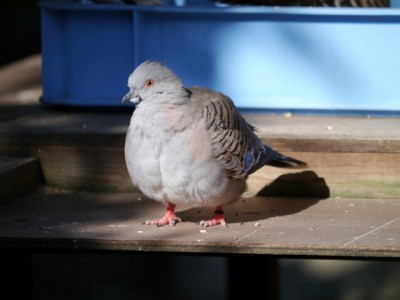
[(149, 83)]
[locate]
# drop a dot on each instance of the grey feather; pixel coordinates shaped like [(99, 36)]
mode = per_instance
[(190, 146)]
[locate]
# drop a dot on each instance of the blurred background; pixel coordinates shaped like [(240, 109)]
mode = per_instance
[(20, 30), (20, 59), (150, 276)]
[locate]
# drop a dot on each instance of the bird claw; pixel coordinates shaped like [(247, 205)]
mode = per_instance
[(166, 220), (214, 221), (170, 218), (218, 218)]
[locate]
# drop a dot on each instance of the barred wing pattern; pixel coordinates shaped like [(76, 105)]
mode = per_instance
[(234, 143)]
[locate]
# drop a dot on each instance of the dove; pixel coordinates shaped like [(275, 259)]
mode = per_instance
[(190, 147)]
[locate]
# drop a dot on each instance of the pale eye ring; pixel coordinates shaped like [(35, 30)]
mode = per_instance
[(148, 83)]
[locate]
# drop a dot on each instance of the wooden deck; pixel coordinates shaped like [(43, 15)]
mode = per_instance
[(257, 225), (347, 204)]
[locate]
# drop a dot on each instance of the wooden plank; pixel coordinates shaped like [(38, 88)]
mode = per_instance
[(18, 177), (352, 157), (366, 175), (333, 145), (36, 125), (86, 168), (331, 127), (257, 225)]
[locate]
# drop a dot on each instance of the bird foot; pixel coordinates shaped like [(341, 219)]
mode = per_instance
[(166, 220), (218, 219), (170, 218)]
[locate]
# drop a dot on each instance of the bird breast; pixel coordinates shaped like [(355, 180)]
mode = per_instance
[(170, 158)]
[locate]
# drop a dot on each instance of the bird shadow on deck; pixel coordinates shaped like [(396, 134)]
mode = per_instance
[(286, 195)]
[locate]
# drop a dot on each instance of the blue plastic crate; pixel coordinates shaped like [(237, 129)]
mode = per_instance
[(263, 57)]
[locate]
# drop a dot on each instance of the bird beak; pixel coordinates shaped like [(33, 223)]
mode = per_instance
[(131, 97)]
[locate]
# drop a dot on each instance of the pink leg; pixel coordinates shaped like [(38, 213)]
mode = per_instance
[(169, 217), (218, 218)]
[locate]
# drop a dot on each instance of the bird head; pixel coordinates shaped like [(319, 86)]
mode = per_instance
[(149, 81)]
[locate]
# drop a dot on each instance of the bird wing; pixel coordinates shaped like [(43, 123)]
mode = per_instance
[(234, 143)]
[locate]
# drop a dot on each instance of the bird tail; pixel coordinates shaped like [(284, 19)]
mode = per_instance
[(271, 157), (282, 161)]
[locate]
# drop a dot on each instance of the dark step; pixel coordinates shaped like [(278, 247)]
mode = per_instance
[(18, 177)]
